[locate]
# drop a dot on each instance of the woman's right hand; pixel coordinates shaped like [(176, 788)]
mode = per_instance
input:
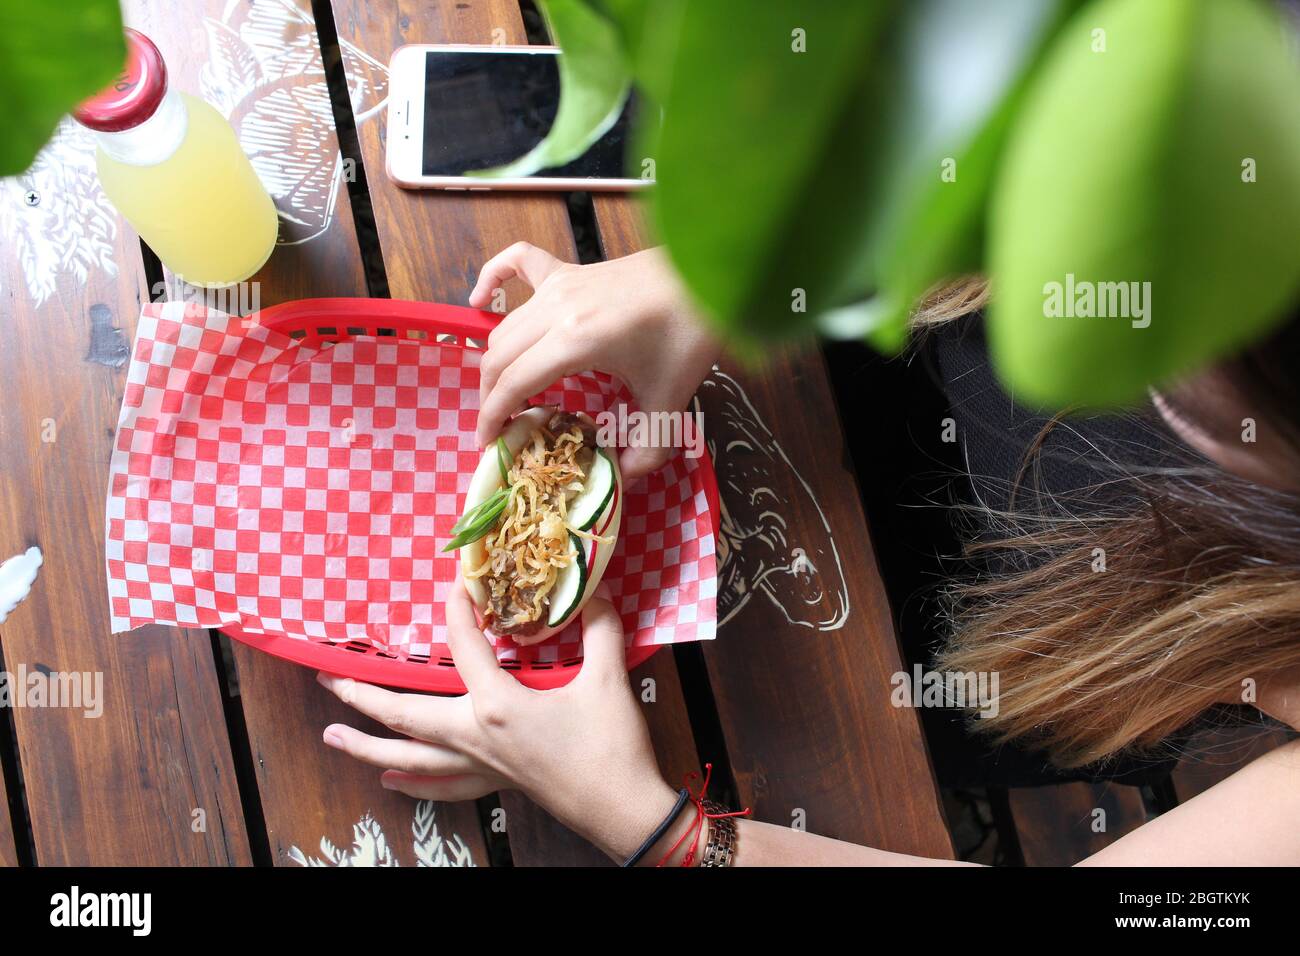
[(629, 317)]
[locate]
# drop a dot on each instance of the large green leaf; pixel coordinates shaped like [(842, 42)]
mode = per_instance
[(762, 155), (594, 83), (648, 30), (823, 171), (956, 70), (1128, 166), (51, 58)]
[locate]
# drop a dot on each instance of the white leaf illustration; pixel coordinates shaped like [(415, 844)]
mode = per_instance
[(266, 75), (71, 230), (370, 846), (286, 133), (231, 72), (367, 81)]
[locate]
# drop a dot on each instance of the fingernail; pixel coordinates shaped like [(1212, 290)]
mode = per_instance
[(332, 737), (325, 680), (386, 783), (604, 593)]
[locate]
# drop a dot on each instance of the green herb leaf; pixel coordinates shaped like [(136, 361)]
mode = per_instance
[(50, 60), (503, 460), (472, 516), (594, 83), (1168, 165), (486, 516)]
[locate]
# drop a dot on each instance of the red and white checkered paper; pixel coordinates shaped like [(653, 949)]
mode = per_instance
[(309, 490)]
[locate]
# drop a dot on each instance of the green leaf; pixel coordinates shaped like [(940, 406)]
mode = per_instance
[(802, 190), (648, 31), (957, 71), (503, 460), (762, 153), (51, 58), (594, 83), (475, 514), (485, 517), (1129, 166)]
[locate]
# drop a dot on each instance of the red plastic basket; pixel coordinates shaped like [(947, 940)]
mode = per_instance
[(313, 321)]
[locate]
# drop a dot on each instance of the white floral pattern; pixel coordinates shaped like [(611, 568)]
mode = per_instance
[(370, 846), (265, 74), (70, 230)]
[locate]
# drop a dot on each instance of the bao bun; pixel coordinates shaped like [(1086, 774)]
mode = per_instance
[(487, 479)]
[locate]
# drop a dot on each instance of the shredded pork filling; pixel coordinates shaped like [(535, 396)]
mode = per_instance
[(529, 545)]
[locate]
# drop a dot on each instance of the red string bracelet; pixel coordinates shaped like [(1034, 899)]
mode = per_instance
[(700, 816)]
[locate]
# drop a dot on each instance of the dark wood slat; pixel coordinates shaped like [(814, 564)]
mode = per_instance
[(269, 49), (1055, 824), (120, 789), (806, 712), (434, 244), (8, 851)]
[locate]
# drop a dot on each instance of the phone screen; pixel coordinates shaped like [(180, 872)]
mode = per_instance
[(486, 109)]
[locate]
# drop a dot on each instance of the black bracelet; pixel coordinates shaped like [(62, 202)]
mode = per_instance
[(660, 830)]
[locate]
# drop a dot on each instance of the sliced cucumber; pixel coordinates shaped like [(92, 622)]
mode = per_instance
[(593, 498), (570, 585)]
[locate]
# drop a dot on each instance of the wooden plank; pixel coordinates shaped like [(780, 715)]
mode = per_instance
[(804, 696), (433, 245), (1060, 825), (261, 62), (151, 780), (8, 850)]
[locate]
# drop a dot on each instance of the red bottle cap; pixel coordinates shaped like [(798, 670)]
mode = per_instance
[(136, 93)]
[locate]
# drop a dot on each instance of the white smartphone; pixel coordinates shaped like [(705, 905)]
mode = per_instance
[(456, 108)]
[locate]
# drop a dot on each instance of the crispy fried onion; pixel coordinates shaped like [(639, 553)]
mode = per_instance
[(530, 543)]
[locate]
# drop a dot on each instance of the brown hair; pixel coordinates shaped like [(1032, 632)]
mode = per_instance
[(1114, 620)]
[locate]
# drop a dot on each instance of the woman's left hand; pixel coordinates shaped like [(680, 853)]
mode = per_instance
[(582, 751)]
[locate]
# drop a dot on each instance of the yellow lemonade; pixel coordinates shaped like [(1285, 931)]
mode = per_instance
[(202, 209)]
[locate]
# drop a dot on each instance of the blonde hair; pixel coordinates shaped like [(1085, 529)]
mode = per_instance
[(1113, 620)]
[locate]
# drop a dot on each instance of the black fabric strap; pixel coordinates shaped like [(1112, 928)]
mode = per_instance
[(660, 830)]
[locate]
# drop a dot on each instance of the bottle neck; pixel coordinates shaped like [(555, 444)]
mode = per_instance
[(154, 140)]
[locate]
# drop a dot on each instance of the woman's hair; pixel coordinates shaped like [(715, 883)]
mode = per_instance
[(1114, 616)]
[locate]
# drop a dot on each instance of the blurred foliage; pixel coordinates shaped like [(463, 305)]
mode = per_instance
[(52, 56), (823, 165), (1128, 165)]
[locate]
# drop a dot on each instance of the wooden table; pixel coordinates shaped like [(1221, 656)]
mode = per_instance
[(211, 754)]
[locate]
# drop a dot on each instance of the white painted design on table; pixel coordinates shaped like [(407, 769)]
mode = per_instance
[(55, 219), (798, 569), (370, 847), (265, 74), (17, 575)]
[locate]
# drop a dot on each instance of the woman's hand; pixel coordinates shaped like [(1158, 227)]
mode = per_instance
[(627, 317), (582, 752)]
